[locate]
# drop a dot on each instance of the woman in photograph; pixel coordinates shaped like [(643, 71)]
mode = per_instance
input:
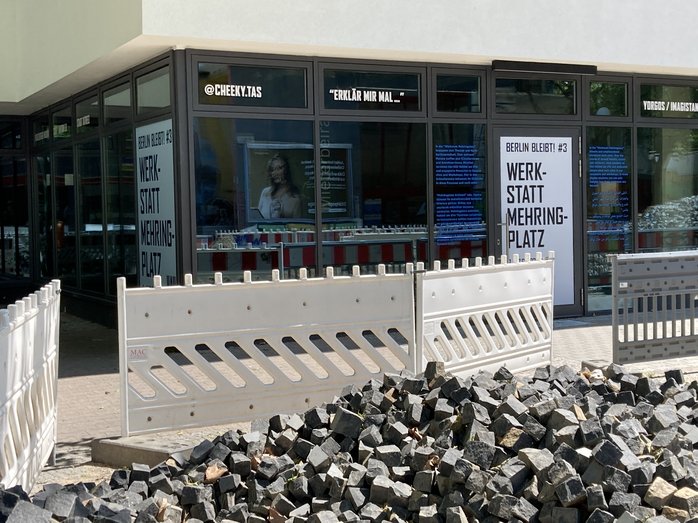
[(281, 199)]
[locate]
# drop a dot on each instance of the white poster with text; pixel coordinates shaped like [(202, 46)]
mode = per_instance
[(536, 196), (157, 248)]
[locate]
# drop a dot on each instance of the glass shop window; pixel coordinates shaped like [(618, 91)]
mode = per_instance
[(153, 91), (87, 115), (460, 191), (373, 189), (608, 99), (668, 101), (535, 96), (117, 104), (609, 225), (40, 130), (252, 86), (11, 135), (255, 196), (62, 122), (667, 177), (371, 91), (458, 93)]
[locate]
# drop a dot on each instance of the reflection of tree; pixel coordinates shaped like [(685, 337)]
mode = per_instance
[(612, 96)]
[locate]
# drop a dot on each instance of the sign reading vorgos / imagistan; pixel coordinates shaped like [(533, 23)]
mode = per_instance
[(536, 196), (157, 248)]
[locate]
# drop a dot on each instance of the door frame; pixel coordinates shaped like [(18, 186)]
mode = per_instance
[(496, 229)]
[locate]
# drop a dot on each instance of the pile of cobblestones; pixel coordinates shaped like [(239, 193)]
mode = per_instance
[(556, 446)]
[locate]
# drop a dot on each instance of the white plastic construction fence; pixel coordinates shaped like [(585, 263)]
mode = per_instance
[(197, 355), (654, 306), (28, 385)]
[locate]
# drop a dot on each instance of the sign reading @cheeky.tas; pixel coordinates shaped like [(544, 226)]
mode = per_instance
[(536, 201), (157, 248)]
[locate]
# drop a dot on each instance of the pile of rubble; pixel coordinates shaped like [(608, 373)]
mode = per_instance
[(556, 446), (676, 214)]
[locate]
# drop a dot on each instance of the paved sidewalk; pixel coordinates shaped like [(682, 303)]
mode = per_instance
[(89, 404)]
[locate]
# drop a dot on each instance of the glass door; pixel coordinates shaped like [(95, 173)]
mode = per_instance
[(537, 204)]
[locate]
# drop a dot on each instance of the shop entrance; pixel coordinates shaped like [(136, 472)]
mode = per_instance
[(537, 188)]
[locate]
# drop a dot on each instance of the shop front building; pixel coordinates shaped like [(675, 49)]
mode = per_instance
[(324, 151)]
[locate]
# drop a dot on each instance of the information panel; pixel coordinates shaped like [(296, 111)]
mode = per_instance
[(536, 195), (157, 249)]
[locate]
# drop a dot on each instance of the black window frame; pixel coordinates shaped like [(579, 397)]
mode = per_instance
[(599, 120), (481, 73)]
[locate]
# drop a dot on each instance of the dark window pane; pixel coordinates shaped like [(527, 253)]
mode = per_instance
[(90, 212), (255, 197), (373, 189), (460, 190), (120, 210), (609, 207), (458, 93), (361, 90), (668, 101), (11, 135), (66, 244), (117, 104), (62, 124), (533, 96), (45, 229), (249, 86), (153, 90), (667, 168), (608, 99), (40, 131), (87, 115), (14, 217)]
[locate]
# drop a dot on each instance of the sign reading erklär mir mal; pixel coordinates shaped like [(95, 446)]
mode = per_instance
[(157, 248)]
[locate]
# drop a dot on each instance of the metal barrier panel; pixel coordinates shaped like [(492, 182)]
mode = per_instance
[(197, 355), (486, 316), (654, 306), (28, 385)]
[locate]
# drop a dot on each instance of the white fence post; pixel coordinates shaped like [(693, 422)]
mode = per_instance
[(29, 332)]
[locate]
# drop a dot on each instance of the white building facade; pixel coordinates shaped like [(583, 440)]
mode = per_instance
[(143, 137)]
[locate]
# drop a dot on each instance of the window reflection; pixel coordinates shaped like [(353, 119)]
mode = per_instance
[(66, 243), (120, 209), (14, 217), (609, 208), (255, 197), (373, 190), (534, 96), (91, 230), (667, 166), (460, 197)]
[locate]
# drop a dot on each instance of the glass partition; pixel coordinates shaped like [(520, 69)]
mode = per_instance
[(608, 99), (609, 208), (255, 196), (535, 96), (371, 90), (153, 90), (456, 93), (374, 194), (66, 241), (90, 213), (667, 170), (117, 104), (14, 217), (45, 230), (120, 208), (87, 115)]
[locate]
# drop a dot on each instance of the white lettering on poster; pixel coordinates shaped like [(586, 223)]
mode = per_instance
[(157, 249), (536, 199)]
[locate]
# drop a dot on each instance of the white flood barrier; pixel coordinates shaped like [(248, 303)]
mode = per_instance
[(487, 316), (28, 385), (198, 355), (210, 354), (654, 306)]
